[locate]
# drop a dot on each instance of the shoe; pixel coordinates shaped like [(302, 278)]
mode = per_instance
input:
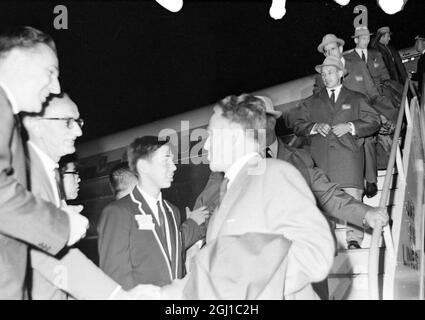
[(353, 244), (371, 189)]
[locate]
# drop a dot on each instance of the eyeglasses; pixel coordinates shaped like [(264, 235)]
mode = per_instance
[(71, 172), (69, 121)]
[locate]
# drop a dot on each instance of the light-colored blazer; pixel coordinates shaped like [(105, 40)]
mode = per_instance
[(73, 272), (24, 219), (278, 201)]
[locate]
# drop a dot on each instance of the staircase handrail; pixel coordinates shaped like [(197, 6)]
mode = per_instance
[(373, 264)]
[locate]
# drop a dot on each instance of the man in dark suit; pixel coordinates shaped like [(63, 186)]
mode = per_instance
[(336, 120), (141, 236), (28, 74), (391, 57), (359, 79)]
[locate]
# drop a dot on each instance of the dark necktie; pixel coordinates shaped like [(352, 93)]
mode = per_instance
[(268, 153), (59, 184), (363, 56), (161, 217), (333, 96), (223, 188)]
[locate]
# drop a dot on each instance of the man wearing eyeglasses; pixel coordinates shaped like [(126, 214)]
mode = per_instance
[(29, 71), (51, 136)]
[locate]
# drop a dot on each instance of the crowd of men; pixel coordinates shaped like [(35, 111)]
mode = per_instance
[(260, 229)]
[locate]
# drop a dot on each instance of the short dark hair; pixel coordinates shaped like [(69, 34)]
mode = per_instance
[(143, 148), (24, 37), (119, 177), (69, 158), (246, 110)]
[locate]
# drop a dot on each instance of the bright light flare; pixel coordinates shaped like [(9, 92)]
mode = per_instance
[(171, 5), (342, 2), (278, 9), (391, 6)]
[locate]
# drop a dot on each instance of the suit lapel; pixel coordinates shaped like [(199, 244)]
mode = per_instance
[(326, 100), (174, 239), (145, 209), (237, 187), (39, 182), (341, 98)]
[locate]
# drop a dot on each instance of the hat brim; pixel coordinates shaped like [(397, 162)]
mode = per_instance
[(320, 46), (367, 34), (319, 68), (275, 113)]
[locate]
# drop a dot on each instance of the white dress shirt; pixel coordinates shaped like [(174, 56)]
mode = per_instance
[(337, 92), (10, 97), (152, 203), (234, 169), (359, 52), (49, 166)]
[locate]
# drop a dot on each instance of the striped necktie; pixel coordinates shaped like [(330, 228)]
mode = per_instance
[(59, 184)]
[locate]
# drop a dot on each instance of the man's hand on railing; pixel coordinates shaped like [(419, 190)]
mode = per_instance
[(376, 214)]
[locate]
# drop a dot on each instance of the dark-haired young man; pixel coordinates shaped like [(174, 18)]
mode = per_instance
[(122, 180), (141, 237)]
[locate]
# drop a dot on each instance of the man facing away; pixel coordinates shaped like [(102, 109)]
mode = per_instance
[(141, 236), (265, 196), (52, 135), (334, 202), (122, 180), (28, 74)]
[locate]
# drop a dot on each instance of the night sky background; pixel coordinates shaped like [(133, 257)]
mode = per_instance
[(126, 63)]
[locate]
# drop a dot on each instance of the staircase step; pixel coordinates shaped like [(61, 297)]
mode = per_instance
[(354, 261), (350, 288)]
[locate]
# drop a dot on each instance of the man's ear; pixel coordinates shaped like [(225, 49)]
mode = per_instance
[(356, 40), (142, 166)]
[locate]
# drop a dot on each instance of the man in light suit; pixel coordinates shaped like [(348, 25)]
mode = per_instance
[(51, 136), (258, 195), (28, 74), (336, 120), (141, 236)]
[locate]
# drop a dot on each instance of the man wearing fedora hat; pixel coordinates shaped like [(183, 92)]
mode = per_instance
[(391, 57), (336, 120), (359, 79)]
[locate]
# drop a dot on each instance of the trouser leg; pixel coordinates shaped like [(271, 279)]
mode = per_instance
[(354, 234), (370, 160)]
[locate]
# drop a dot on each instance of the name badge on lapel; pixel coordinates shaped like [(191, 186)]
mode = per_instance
[(375, 64), (346, 107), (359, 78), (145, 222)]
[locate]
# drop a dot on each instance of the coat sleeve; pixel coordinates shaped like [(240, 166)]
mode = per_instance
[(318, 84), (210, 195), (22, 215), (190, 231), (75, 274), (299, 119), (114, 245), (369, 121), (330, 197), (290, 210)]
